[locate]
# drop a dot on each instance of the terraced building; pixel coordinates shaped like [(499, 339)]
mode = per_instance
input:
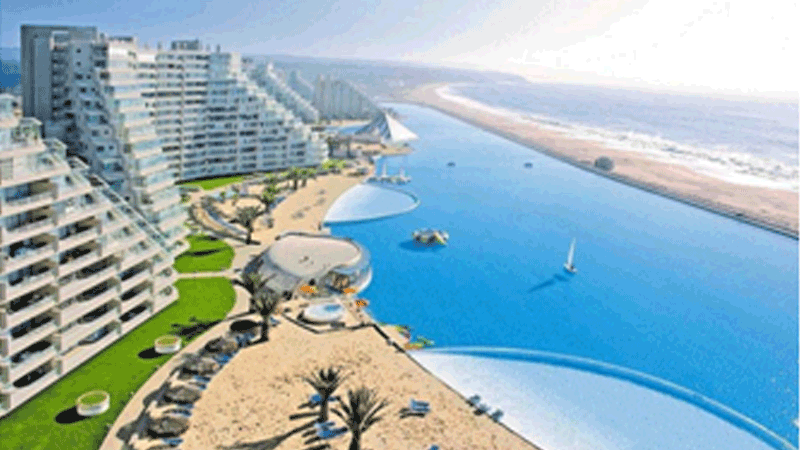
[(79, 267)]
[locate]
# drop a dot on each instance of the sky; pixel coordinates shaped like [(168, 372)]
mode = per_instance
[(738, 46)]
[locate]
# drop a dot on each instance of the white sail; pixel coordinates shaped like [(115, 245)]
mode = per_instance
[(571, 254), (384, 170), (402, 173)]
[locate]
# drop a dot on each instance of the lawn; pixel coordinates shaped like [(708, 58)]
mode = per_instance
[(48, 421), (205, 254), (213, 183)]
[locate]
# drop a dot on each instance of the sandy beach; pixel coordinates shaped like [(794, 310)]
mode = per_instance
[(259, 400), (773, 209)]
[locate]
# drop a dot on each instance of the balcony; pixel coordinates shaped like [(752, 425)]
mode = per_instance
[(86, 302), (17, 205), (108, 226), (138, 254), (73, 189), (136, 296), (86, 350), (27, 360), (84, 280), (86, 334), (132, 279), (77, 259), (41, 277), (14, 345), (26, 256), (135, 317), (74, 214), (82, 236), (25, 308), (29, 385), (30, 229)]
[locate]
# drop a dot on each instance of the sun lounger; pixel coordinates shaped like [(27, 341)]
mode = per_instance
[(328, 433), (419, 407), (198, 385), (316, 399), (273, 321), (323, 425), (202, 379), (474, 400), (483, 408), (497, 415), (173, 442), (180, 412), (434, 447)]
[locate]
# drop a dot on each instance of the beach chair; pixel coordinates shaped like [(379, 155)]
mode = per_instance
[(273, 321), (497, 415), (315, 399), (434, 447), (173, 442), (202, 379), (198, 385), (483, 408), (329, 433), (474, 400), (419, 407), (319, 426), (180, 412), (186, 406)]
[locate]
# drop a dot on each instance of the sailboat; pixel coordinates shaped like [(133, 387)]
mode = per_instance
[(383, 173), (569, 266)]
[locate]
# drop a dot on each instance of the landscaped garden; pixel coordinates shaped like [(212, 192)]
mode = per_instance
[(213, 183), (50, 420), (205, 254)]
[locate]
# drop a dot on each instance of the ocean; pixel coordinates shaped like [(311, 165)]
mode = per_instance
[(665, 290), (748, 142)]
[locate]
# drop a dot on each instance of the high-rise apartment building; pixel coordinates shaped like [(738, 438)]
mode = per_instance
[(340, 99), (267, 78), (300, 85), (79, 267), (209, 118)]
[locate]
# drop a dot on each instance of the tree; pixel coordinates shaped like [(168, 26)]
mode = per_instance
[(359, 413), (294, 176), (246, 217), (266, 303), (267, 199), (325, 382), (253, 282), (304, 174)]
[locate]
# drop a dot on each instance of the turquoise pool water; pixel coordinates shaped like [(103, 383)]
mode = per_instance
[(664, 289)]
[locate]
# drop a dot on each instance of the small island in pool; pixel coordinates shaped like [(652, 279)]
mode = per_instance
[(430, 237)]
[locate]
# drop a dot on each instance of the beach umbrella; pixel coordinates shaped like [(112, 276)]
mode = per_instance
[(200, 366), (362, 303), (168, 426), (181, 394), (306, 289), (350, 290), (221, 345)]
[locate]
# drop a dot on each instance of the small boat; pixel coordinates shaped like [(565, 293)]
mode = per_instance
[(528, 165), (431, 236), (569, 266), (451, 164)]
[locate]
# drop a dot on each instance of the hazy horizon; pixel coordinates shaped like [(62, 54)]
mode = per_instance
[(720, 47)]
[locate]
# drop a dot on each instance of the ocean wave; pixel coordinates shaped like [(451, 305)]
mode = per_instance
[(721, 162)]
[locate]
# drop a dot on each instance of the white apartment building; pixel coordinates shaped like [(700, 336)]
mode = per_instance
[(79, 267), (300, 85), (340, 99), (272, 82)]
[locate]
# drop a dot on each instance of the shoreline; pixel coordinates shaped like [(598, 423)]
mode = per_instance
[(426, 96)]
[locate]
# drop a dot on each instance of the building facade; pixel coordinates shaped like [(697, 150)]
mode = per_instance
[(267, 78), (145, 118), (341, 100), (80, 267), (300, 85)]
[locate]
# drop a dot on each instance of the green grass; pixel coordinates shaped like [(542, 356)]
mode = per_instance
[(213, 183), (117, 370), (205, 254)]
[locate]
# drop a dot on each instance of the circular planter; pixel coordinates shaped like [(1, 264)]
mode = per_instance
[(167, 344), (93, 403)]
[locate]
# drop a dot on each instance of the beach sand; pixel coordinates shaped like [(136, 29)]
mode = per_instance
[(260, 397), (770, 208)]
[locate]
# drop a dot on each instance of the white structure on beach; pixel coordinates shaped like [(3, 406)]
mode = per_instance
[(79, 267), (339, 99), (266, 77), (388, 129)]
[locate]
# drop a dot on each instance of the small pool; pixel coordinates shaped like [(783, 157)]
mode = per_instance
[(324, 312)]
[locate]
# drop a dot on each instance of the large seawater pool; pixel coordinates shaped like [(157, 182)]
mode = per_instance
[(677, 294)]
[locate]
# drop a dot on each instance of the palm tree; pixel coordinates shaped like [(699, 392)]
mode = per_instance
[(294, 176), (266, 303), (325, 382), (253, 282), (360, 413), (246, 217), (235, 197), (304, 175), (267, 199)]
